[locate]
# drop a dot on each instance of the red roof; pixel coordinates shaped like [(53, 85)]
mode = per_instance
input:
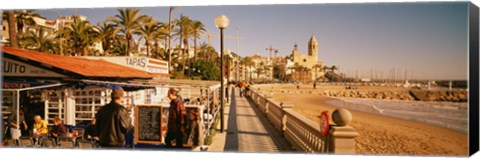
[(77, 65)]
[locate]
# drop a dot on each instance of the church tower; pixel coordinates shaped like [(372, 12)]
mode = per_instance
[(313, 47)]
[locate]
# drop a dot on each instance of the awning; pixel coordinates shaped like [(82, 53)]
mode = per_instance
[(8, 85), (113, 85)]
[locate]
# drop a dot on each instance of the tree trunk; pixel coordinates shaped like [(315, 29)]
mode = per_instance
[(85, 50), (185, 51), (148, 47), (195, 46), (169, 27), (12, 31), (106, 52), (155, 47), (128, 37)]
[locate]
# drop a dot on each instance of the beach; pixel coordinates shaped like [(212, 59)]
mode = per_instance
[(384, 135)]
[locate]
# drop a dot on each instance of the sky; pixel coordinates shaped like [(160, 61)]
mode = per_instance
[(423, 40)]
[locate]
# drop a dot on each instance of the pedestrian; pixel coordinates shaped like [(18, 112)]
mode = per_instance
[(16, 129), (113, 122), (176, 120), (241, 87), (314, 85), (194, 129)]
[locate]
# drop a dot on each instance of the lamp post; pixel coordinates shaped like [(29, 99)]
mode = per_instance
[(188, 71), (221, 22)]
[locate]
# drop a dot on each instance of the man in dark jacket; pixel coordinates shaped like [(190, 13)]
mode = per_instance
[(113, 121), (176, 120)]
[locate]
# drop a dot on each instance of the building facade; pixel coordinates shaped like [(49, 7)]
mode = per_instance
[(312, 67)]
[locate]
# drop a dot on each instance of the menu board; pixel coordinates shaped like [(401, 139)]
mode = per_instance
[(148, 123)]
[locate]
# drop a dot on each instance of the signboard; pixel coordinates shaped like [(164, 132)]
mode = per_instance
[(157, 66), (6, 84), (16, 68), (324, 123), (149, 65), (148, 124)]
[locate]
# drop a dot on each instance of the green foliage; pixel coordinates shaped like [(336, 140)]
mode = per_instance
[(204, 70), (212, 131), (79, 35), (40, 40)]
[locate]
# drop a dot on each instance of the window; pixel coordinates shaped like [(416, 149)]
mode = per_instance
[(88, 101)]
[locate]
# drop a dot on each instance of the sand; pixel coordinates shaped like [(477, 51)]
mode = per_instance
[(383, 135)]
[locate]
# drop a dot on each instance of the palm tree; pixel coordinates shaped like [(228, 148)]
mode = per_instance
[(25, 17), (79, 34), (207, 52), (299, 69), (107, 34), (198, 28), (260, 69), (333, 68), (184, 30), (147, 31), (170, 27), (174, 59), (40, 40), (161, 34), (316, 67), (12, 31), (126, 22)]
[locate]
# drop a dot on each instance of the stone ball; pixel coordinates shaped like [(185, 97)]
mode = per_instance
[(341, 116)]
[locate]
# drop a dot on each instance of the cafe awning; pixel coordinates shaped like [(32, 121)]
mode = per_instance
[(27, 85), (112, 85)]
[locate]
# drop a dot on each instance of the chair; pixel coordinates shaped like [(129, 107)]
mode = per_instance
[(25, 142), (49, 143), (65, 142), (85, 144), (12, 143), (80, 132)]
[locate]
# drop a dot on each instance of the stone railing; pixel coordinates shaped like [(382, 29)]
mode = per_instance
[(304, 134)]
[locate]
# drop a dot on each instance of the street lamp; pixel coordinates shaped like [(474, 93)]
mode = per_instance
[(221, 22), (188, 72)]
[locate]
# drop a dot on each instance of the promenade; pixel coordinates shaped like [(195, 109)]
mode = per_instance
[(247, 130)]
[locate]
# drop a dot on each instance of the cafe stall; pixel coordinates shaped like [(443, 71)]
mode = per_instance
[(53, 85), (74, 88)]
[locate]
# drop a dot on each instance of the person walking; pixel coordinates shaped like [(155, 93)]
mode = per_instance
[(176, 120), (241, 87), (194, 128), (113, 122)]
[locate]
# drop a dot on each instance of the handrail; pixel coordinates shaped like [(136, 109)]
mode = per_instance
[(297, 129)]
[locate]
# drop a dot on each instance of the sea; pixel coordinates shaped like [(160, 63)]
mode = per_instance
[(451, 115)]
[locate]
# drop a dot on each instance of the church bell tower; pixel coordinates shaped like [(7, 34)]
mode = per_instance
[(313, 47)]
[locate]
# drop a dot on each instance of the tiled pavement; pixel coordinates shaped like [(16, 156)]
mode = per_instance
[(247, 130)]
